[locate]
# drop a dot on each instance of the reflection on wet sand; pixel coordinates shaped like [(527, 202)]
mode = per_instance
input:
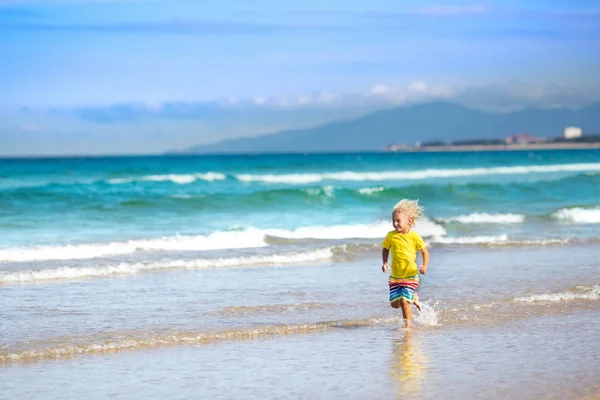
[(408, 364)]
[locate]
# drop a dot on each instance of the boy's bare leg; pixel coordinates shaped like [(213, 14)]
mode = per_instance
[(417, 303), (406, 312)]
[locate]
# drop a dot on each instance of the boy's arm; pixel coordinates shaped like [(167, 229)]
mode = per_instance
[(425, 254), (384, 256)]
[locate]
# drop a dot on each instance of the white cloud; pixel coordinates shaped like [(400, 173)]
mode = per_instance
[(303, 100), (260, 100), (180, 124), (380, 89), (418, 86), (328, 97), (379, 95), (155, 106)]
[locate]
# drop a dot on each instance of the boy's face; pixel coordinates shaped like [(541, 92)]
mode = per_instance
[(401, 222)]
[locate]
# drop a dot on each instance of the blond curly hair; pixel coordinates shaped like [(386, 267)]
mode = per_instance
[(410, 208)]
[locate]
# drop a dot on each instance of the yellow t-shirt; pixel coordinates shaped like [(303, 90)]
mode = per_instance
[(404, 247)]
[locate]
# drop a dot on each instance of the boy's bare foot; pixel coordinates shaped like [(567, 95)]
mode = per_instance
[(417, 304)]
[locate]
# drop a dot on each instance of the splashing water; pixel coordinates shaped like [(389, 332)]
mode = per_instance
[(428, 315)]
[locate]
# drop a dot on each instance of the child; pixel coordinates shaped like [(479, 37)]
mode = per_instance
[(404, 244)]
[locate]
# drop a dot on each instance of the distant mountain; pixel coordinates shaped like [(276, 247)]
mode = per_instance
[(425, 122)]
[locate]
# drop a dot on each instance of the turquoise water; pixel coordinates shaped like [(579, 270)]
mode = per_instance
[(93, 200), (181, 271)]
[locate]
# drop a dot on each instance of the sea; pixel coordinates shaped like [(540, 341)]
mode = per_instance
[(259, 277)]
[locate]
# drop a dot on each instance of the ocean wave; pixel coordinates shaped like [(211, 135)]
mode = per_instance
[(326, 191), (242, 311), (305, 178), (504, 241), (588, 173), (252, 237), (371, 191), (470, 239), (73, 346), (579, 293), (424, 227), (286, 178), (214, 241), (241, 237), (485, 218), (578, 215), (538, 242), (180, 179), (67, 273)]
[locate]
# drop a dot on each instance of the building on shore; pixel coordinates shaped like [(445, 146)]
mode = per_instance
[(396, 147), (572, 132), (571, 139), (524, 138)]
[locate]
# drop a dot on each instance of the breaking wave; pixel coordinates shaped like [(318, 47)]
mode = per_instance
[(504, 241), (246, 237), (180, 179), (485, 218), (579, 293), (424, 227), (579, 215), (371, 191), (214, 241), (74, 346), (305, 178), (470, 239), (66, 273)]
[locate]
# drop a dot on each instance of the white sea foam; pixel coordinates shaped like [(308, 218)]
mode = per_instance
[(539, 242), (70, 346), (370, 191), (327, 191), (470, 239), (579, 215), (414, 174), (214, 241), (286, 178), (64, 273), (499, 241), (581, 293), (424, 227), (181, 179), (245, 237), (485, 218)]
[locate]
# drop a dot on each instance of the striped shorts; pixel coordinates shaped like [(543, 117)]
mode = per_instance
[(404, 288)]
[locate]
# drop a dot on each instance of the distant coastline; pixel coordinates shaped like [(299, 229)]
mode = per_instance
[(571, 140), (499, 147)]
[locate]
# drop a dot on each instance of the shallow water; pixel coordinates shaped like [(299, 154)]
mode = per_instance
[(551, 357), (495, 325)]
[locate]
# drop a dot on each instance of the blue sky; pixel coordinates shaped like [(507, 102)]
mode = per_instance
[(290, 63)]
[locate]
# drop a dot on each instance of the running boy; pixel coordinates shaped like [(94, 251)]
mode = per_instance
[(404, 244)]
